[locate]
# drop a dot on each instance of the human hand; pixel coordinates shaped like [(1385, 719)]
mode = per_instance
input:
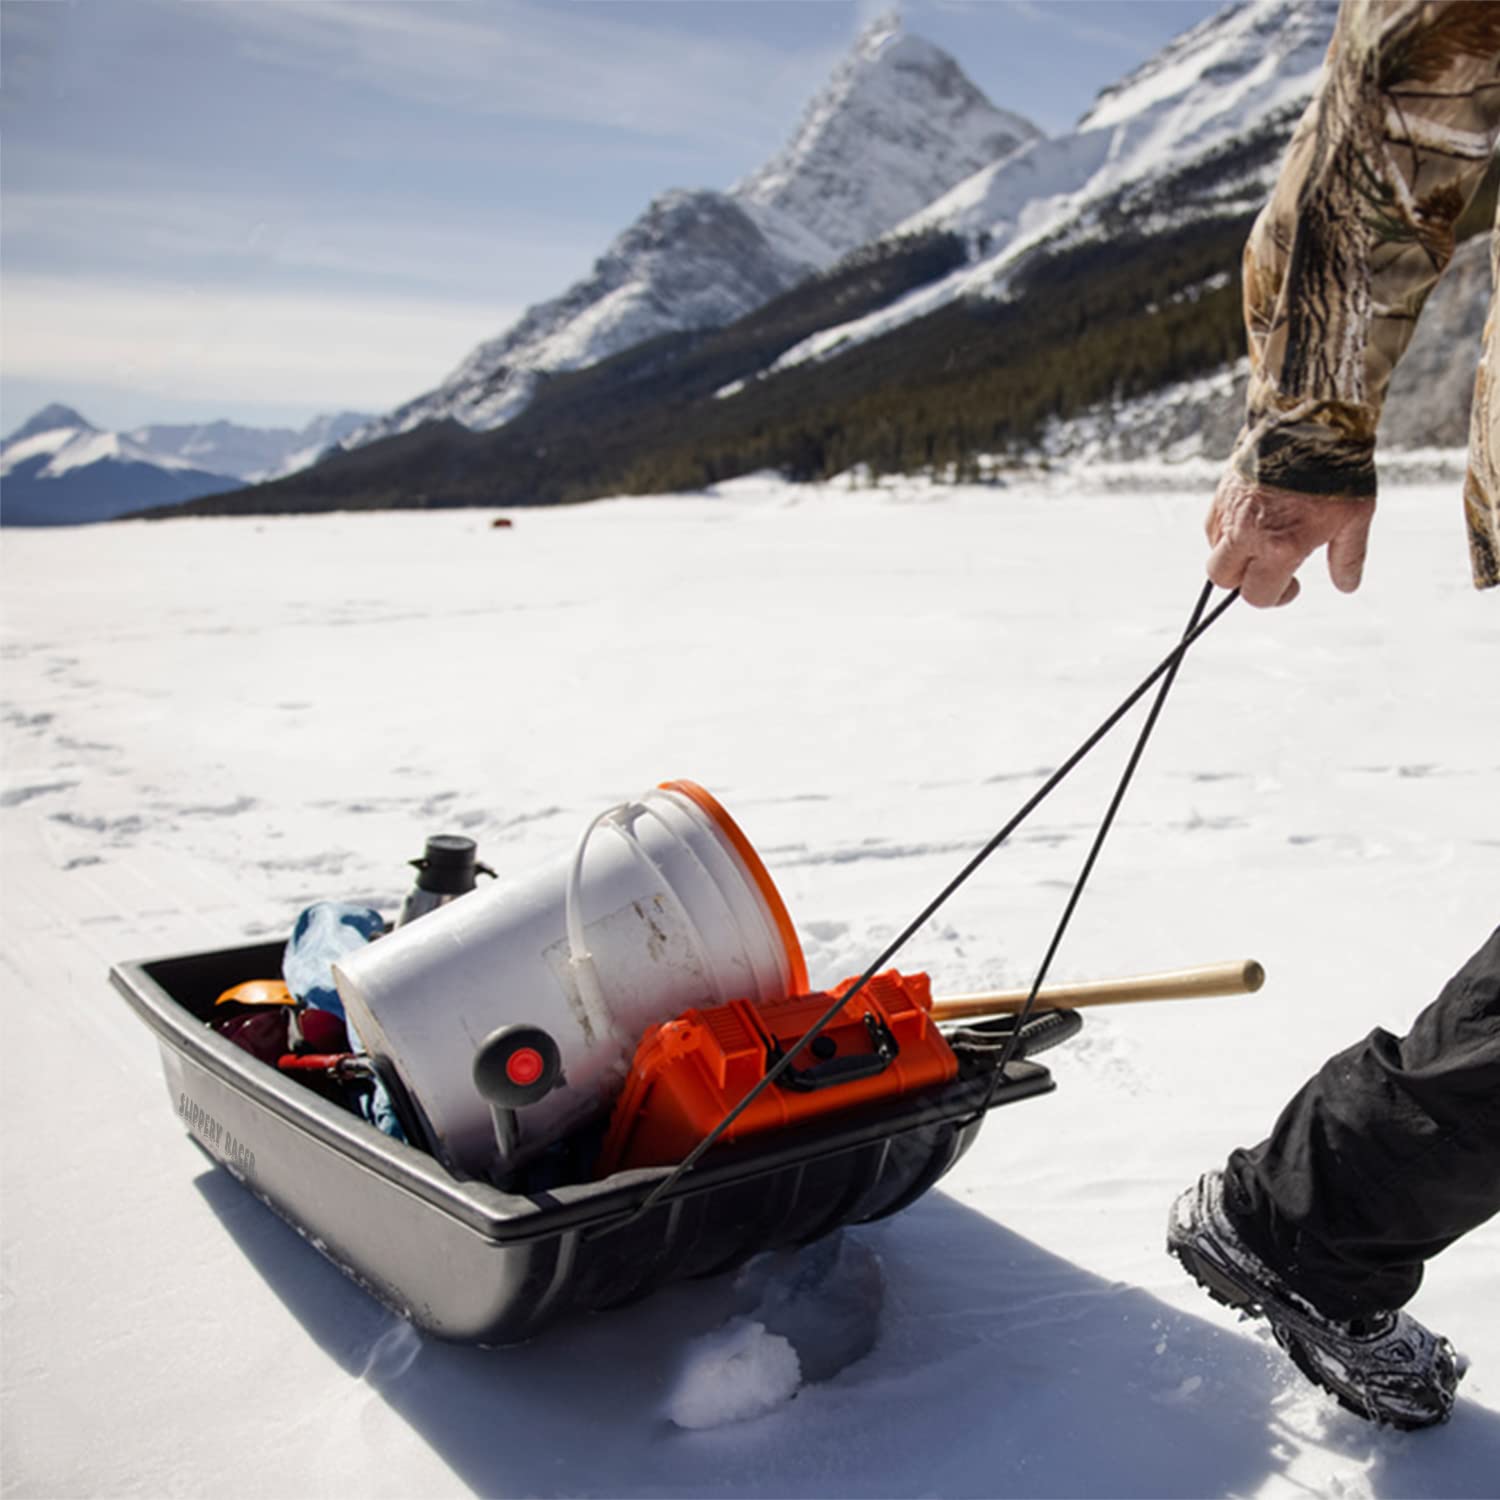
[(1261, 535)]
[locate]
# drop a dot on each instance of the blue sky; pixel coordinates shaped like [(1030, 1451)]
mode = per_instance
[(261, 210)]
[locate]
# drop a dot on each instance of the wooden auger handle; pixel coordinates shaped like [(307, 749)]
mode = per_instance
[(1241, 978)]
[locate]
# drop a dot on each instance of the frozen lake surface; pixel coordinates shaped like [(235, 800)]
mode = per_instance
[(210, 723)]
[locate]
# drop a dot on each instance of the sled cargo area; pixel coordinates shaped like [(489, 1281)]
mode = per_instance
[(467, 1261)]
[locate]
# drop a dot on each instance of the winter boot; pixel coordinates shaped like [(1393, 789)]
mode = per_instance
[(1385, 1368)]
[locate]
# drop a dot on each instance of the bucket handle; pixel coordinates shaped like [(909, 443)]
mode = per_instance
[(580, 960)]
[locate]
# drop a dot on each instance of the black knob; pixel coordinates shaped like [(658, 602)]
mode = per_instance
[(516, 1066), (448, 865)]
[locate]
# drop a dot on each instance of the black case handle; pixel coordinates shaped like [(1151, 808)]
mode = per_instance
[(847, 1069)]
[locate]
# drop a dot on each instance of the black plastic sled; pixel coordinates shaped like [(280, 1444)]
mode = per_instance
[(463, 1259)]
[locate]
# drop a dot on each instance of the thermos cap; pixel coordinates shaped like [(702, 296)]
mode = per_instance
[(447, 865)]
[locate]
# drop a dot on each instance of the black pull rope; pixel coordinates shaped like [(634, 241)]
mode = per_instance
[(1167, 665), (1105, 825)]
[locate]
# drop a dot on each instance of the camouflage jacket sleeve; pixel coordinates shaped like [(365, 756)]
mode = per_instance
[(1358, 229)]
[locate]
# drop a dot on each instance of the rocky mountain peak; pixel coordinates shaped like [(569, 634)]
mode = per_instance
[(1197, 130), (50, 419), (897, 123)]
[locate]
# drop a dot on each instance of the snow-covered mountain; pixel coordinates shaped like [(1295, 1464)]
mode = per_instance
[(54, 417), (59, 469), (1204, 106), (898, 124), (248, 453), (1196, 131), (692, 260)]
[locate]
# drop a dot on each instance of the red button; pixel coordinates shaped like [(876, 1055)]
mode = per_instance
[(524, 1066)]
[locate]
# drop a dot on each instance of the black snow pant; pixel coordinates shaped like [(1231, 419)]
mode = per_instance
[(1386, 1155)]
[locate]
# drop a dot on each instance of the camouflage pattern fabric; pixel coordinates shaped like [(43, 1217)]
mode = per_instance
[(1356, 233), (1482, 483)]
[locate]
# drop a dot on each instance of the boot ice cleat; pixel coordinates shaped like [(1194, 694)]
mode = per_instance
[(1386, 1368)]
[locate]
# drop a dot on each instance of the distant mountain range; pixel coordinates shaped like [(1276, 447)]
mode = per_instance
[(57, 468), (919, 281), (250, 453)]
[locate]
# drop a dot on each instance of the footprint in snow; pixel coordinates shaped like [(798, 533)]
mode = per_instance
[(16, 795)]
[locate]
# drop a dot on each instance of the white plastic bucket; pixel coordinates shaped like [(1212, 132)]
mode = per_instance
[(664, 905)]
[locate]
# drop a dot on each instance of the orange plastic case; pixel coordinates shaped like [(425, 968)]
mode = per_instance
[(689, 1073)]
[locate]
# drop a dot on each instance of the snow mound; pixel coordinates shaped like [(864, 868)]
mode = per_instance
[(739, 1371)]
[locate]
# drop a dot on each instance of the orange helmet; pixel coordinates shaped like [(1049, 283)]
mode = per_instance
[(258, 992)]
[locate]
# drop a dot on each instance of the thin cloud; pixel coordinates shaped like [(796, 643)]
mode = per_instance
[(1064, 18), (326, 351), (868, 12), (559, 64), (232, 236)]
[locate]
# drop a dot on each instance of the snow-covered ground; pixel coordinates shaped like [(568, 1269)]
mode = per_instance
[(208, 723)]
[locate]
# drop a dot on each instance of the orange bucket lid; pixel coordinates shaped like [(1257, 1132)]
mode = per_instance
[(706, 802)]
